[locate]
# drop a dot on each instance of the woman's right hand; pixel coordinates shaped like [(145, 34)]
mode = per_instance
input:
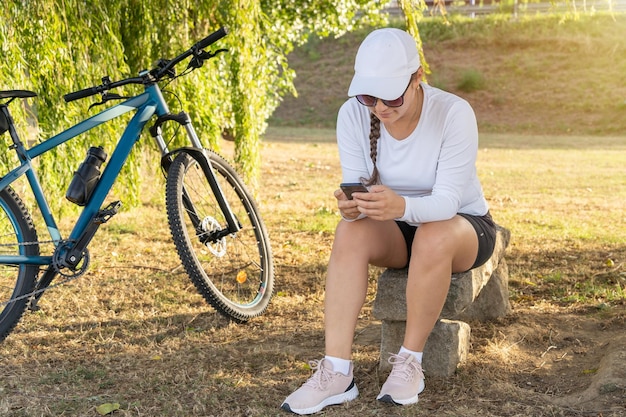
[(348, 208)]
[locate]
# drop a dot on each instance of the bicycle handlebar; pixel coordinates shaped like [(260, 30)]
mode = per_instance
[(211, 39), (157, 73), (81, 94)]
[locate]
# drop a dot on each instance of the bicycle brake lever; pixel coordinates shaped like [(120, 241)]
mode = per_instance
[(198, 60), (208, 55), (107, 97)]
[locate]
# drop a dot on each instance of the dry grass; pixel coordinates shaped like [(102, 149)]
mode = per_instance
[(133, 331)]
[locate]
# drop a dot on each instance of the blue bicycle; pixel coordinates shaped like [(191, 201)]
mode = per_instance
[(219, 235)]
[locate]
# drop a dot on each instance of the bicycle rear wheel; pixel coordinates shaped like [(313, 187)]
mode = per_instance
[(234, 273), (16, 229)]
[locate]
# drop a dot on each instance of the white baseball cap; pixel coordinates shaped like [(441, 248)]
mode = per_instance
[(384, 64)]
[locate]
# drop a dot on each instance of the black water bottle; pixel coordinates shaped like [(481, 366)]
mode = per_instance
[(86, 176)]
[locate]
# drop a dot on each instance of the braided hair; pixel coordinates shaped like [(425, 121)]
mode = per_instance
[(374, 136)]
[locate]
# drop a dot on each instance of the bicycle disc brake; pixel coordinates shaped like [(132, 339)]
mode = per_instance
[(216, 247)]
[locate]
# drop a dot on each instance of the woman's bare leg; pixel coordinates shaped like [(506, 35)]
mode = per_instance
[(439, 249), (357, 244)]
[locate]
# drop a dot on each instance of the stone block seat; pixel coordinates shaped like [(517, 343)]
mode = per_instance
[(479, 294)]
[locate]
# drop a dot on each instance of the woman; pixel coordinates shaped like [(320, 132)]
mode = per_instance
[(415, 148)]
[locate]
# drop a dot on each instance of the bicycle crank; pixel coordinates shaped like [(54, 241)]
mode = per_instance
[(69, 271)]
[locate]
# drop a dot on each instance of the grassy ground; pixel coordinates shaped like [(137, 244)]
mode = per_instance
[(133, 331)]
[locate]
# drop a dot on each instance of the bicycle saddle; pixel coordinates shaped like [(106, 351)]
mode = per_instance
[(17, 94)]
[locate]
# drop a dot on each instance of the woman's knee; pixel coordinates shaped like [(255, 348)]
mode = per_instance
[(378, 242), (444, 241), (349, 232), (436, 240), (349, 236), (431, 237)]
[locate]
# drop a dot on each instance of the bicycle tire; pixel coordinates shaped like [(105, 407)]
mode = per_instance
[(234, 274), (16, 229)]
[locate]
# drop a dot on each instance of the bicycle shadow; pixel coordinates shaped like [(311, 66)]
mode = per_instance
[(135, 332)]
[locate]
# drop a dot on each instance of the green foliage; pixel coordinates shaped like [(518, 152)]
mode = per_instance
[(53, 49)]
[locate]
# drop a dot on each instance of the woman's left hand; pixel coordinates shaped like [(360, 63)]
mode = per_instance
[(381, 203)]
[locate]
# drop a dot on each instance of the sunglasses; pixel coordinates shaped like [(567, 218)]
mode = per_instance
[(370, 101)]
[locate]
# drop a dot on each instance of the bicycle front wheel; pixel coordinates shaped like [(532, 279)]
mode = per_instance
[(234, 273), (17, 237)]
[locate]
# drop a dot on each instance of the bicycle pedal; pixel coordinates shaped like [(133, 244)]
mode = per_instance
[(106, 213)]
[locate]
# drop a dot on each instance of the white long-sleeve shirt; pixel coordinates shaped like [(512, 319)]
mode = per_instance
[(434, 168)]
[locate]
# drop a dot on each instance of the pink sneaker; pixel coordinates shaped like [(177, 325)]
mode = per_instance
[(405, 381), (324, 388)]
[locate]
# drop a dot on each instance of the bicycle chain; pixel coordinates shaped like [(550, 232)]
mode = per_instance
[(55, 265)]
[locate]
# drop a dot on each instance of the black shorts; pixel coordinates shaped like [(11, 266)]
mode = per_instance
[(485, 230)]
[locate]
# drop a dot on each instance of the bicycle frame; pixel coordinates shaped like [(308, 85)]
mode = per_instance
[(146, 105)]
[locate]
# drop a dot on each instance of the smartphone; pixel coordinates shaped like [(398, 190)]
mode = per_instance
[(352, 187)]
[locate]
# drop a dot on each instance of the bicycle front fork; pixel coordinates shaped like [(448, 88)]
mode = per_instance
[(198, 153)]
